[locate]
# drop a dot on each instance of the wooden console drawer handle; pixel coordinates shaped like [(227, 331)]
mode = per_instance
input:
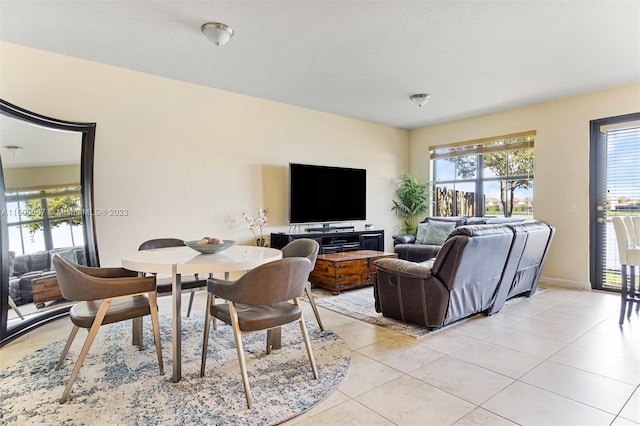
[(339, 265)]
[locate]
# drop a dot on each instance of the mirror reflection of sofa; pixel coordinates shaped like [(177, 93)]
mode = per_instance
[(24, 268)]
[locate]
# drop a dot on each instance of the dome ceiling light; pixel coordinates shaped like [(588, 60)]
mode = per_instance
[(420, 99), (217, 33)]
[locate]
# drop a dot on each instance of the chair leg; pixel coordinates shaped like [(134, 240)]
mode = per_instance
[(13, 306), (193, 293), (153, 304), (97, 322), (623, 293), (136, 332), (205, 339), (237, 334), (632, 290), (63, 355), (307, 289), (307, 344)]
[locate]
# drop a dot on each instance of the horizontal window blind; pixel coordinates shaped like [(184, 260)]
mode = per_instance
[(623, 169), (484, 146)]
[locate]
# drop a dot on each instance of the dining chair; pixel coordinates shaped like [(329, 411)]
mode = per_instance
[(305, 247), (629, 254), (105, 296), (188, 285), (259, 300)]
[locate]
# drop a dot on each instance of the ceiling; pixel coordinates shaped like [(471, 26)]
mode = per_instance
[(357, 58), (41, 146)]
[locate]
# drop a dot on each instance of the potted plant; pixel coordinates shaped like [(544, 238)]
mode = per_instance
[(413, 200)]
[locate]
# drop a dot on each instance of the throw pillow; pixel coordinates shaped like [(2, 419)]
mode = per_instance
[(437, 232), (422, 230), (69, 254)]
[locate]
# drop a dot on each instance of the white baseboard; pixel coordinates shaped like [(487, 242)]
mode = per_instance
[(557, 282)]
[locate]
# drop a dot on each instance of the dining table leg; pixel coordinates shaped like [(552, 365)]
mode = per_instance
[(176, 288)]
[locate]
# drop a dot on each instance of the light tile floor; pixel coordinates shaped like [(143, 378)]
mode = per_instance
[(558, 358)]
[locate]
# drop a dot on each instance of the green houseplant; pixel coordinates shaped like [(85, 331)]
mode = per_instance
[(413, 200)]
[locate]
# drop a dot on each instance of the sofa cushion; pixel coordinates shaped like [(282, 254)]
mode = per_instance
[(39, 261), (21, 265), (436, 232), (458, 220), (12, 259)]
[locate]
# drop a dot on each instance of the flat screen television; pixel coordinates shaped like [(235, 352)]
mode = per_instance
[(326, 194)]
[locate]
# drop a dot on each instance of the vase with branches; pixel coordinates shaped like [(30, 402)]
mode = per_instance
[(413, 199), (256, 226)]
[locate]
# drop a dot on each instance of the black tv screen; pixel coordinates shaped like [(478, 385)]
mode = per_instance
[(326, 194)]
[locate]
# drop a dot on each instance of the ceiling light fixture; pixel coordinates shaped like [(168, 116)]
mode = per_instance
[(217, 33), (420, 99), (12, 150)]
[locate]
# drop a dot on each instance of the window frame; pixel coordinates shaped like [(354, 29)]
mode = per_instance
[(479, 148)]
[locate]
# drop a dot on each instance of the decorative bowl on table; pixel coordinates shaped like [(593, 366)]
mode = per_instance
[(209, 248)]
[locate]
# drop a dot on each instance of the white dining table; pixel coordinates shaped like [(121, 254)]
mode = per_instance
[(177, 261)]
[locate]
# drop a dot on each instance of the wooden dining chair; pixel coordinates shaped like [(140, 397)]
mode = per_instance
[(260, 300), (188, 285), (105, 296)]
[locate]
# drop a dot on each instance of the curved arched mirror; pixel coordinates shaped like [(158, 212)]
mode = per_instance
[(46, 201)]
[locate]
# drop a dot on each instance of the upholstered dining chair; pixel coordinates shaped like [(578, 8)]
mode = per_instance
[(188, 285), (259, 300), (105, 296), (305, 247), (629, 254)]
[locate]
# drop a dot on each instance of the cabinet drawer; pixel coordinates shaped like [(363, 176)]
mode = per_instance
[(369, 278), (347, 267)]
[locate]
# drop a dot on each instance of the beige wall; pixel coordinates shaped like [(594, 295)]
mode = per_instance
[(561, 164), (37, 177), (185, 160)]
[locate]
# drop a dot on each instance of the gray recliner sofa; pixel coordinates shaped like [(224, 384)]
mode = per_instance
[(477, 269)]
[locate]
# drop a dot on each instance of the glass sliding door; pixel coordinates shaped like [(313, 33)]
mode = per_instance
[(615, 191)]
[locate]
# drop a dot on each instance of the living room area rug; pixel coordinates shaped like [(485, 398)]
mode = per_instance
[(360, 304), (119, 384)]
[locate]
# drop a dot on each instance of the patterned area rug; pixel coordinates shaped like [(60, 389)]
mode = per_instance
[(120, 385), (360, 304)]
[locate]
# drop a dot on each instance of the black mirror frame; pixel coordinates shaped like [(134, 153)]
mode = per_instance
[(88, 131)]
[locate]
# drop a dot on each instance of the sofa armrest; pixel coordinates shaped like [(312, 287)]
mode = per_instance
[(416, 252), (403, 239), (404, 268)]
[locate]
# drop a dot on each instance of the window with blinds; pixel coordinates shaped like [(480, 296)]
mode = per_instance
[(620, 160), (488, 177)]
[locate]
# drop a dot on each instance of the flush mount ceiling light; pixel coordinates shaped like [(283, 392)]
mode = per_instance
[(420, 99), (217, 33), (12, 150)]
